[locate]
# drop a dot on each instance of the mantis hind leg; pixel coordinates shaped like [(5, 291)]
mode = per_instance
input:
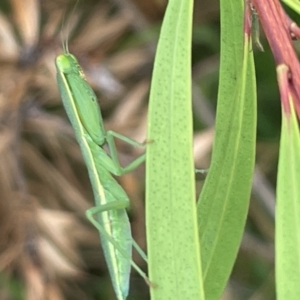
[(90, 213), (139, 250)]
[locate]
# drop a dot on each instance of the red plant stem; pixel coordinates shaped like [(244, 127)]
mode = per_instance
[(282, 77), (277, 29)]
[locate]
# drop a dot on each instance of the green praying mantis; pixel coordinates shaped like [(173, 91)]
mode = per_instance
[(255, 27), (109, 215)]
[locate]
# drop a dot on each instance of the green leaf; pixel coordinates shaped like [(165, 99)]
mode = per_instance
[(293, 4), (288, 210), (224, 200), (173, 244)]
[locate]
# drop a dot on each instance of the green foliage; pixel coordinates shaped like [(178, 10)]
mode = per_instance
[(173, 246), (223, 203), (288, 210), (294, 4)]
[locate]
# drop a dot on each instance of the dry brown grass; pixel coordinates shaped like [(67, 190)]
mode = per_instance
[(45, 241)]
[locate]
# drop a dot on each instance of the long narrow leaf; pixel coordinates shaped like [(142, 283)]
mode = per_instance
[(173, 244), (288, 209), (224, 200)]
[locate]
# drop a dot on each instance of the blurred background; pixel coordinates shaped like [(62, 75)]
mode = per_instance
[(48, 250)]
